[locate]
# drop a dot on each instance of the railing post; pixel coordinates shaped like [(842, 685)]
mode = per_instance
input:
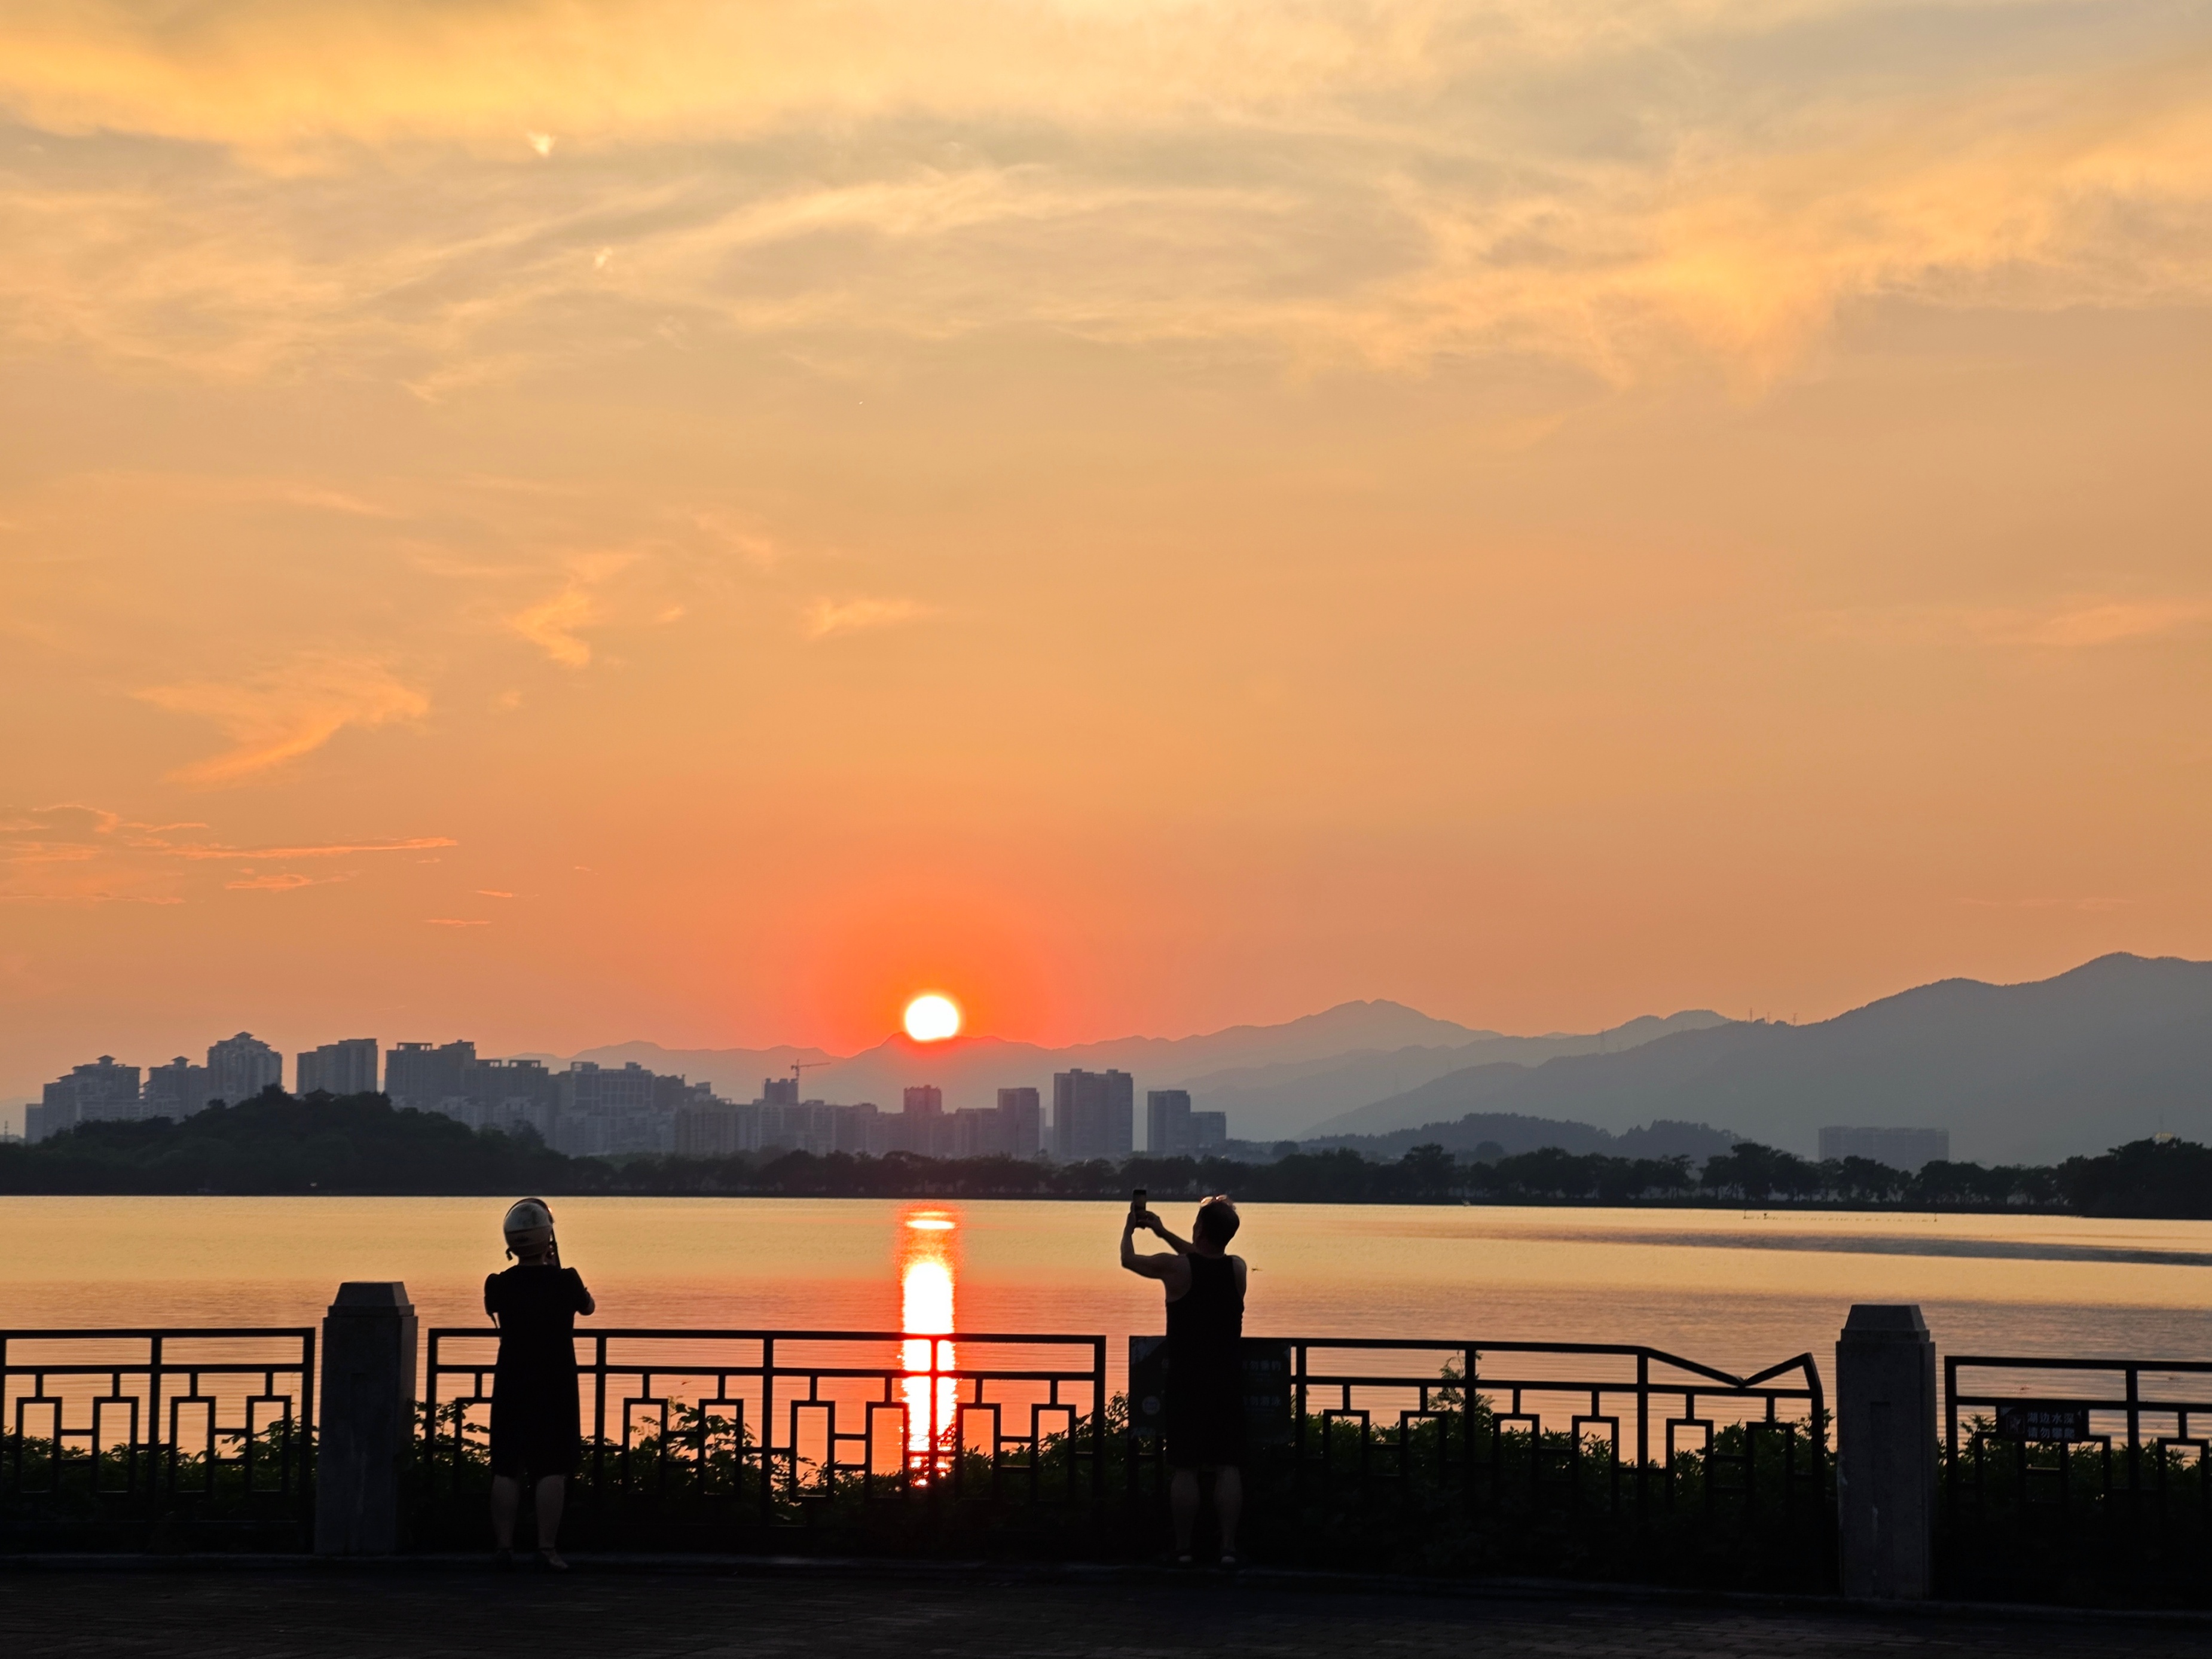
[(369, 1417), (1886, 1454)]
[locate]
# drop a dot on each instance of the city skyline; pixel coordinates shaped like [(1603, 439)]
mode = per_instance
[(588, 1109)]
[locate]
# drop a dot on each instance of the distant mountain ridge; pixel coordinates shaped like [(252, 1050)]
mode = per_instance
[(2112, 1051), (2115, 1050), (1357, 1077), (1275, 1082)]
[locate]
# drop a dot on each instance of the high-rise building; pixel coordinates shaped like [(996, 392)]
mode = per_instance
[(97, 1093), (1167, 1122), (345, 1067), (421, 1076), (1093, 1115), (1173, 1130), (921, 1126), (241, 1067), (512, 1093), (1023, 1129), (176, 1090), (605, 1109)]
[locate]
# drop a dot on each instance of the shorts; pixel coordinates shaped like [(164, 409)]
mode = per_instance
[(1204, 1420)]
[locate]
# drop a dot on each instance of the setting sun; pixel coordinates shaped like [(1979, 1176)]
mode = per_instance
[(932, 1018)]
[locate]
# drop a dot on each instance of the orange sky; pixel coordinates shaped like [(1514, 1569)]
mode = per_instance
[(559, 523)]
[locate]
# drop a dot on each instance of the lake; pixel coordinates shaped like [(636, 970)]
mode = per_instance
[(1736, 1290)]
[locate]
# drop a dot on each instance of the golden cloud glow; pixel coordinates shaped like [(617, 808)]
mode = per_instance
[(1326, 223), (286, 712), (825, 617)]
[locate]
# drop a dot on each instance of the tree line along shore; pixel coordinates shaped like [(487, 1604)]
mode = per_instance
[(275, 1144)]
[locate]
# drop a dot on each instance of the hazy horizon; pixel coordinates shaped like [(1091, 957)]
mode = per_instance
[(671, 521)]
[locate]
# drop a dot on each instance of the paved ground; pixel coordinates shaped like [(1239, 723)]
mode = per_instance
[(427, 1613)]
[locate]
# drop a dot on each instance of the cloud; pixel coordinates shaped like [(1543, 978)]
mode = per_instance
[(2078, 623), (280, 883), (335, 849), (1623, 184), (75, 853), (456, 921), (551, 624), (2092, 622), (286, 712), (825, 617)]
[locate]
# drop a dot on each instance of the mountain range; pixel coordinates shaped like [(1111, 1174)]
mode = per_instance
[(2114, 1050), (1276, 1082)]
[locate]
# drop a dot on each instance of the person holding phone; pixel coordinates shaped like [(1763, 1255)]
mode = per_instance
[(535, 1430), (1205, 1402)]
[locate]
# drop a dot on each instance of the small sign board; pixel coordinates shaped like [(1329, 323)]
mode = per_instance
[(1266, 1388), (2048, 1421)]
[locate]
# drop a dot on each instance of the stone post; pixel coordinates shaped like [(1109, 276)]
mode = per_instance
[(368, 1416), (1886, 1454)]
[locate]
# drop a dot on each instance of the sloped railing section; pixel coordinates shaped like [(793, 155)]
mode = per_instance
[(1558, 1459)]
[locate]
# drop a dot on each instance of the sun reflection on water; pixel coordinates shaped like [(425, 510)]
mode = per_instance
[(926, 1274)]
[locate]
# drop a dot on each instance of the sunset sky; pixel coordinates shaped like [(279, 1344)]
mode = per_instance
[(557, 523)]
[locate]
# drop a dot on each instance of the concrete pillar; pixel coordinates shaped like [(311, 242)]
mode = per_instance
[(368, 1416), (1886, 1454)]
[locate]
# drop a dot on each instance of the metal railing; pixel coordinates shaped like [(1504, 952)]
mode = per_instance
[(2137, 1415), (750, 1430), (2081, 1479), (1609, 1438), (109, 1433)]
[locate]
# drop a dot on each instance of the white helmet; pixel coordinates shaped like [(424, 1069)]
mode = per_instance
[(529, 1225)]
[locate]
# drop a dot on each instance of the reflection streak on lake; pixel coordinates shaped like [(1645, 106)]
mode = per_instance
[(926, 1311), (1739, 1291)]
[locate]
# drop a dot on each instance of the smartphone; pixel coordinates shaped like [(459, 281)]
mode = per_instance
[(1137, 1201)]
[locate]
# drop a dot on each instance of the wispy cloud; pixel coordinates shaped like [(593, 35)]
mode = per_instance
[(75, 853), (2082, 622), (335, 849), (553, 623), (287, 882), (825, 618), (286, 711), (1369, 181), (457, 921), (2089, 623)]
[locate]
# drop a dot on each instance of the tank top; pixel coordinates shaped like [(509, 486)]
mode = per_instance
[(1207, 1322)]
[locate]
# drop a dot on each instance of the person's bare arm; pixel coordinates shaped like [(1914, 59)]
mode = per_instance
[(1182, 1246), (588, 1307), (1147, 1267)]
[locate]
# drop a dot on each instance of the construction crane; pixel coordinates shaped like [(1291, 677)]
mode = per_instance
[(798, 1066)]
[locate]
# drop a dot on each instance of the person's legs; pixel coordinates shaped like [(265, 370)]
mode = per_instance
[(1228, 1504), (550, 1492), (1183, 1503), (506, 1500)]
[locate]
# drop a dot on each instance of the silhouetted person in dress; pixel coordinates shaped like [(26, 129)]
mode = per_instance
[(1205, 1288), (535, 1434)]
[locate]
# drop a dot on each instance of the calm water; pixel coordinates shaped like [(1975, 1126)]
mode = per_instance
[(1739, 1291)]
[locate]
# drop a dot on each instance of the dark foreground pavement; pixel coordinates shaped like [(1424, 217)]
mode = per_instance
[(428, 1612)]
